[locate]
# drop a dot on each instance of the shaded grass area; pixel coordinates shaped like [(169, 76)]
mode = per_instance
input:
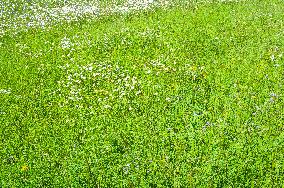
[(184, 97)]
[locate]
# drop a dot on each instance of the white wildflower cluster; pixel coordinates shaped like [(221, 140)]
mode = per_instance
[(73, 44), (66, 43), (195, 72), (134, 5), (160, 66), (148, 33), (21, 15), (273, 97), (99, 82), (5, 91)]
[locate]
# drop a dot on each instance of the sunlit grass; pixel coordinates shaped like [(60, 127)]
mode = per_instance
[(189, 95)]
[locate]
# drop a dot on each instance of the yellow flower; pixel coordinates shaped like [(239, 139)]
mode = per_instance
[(24, 168)]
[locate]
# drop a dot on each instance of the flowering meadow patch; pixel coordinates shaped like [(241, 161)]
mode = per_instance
[(141, 93)]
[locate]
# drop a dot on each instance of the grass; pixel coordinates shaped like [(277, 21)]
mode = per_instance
[(185, 96)]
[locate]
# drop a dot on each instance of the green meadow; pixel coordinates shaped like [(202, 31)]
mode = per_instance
[(183, 94)]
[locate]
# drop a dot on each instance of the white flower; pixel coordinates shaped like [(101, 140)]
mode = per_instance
[(126, 168), (66, 43), (107, 107), (5, 91), (273, 97), (272, 57)]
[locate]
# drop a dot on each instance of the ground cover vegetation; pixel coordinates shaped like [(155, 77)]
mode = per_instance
[(184, 94)]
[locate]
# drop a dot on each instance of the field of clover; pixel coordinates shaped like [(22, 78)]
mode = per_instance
[(141, 93)]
